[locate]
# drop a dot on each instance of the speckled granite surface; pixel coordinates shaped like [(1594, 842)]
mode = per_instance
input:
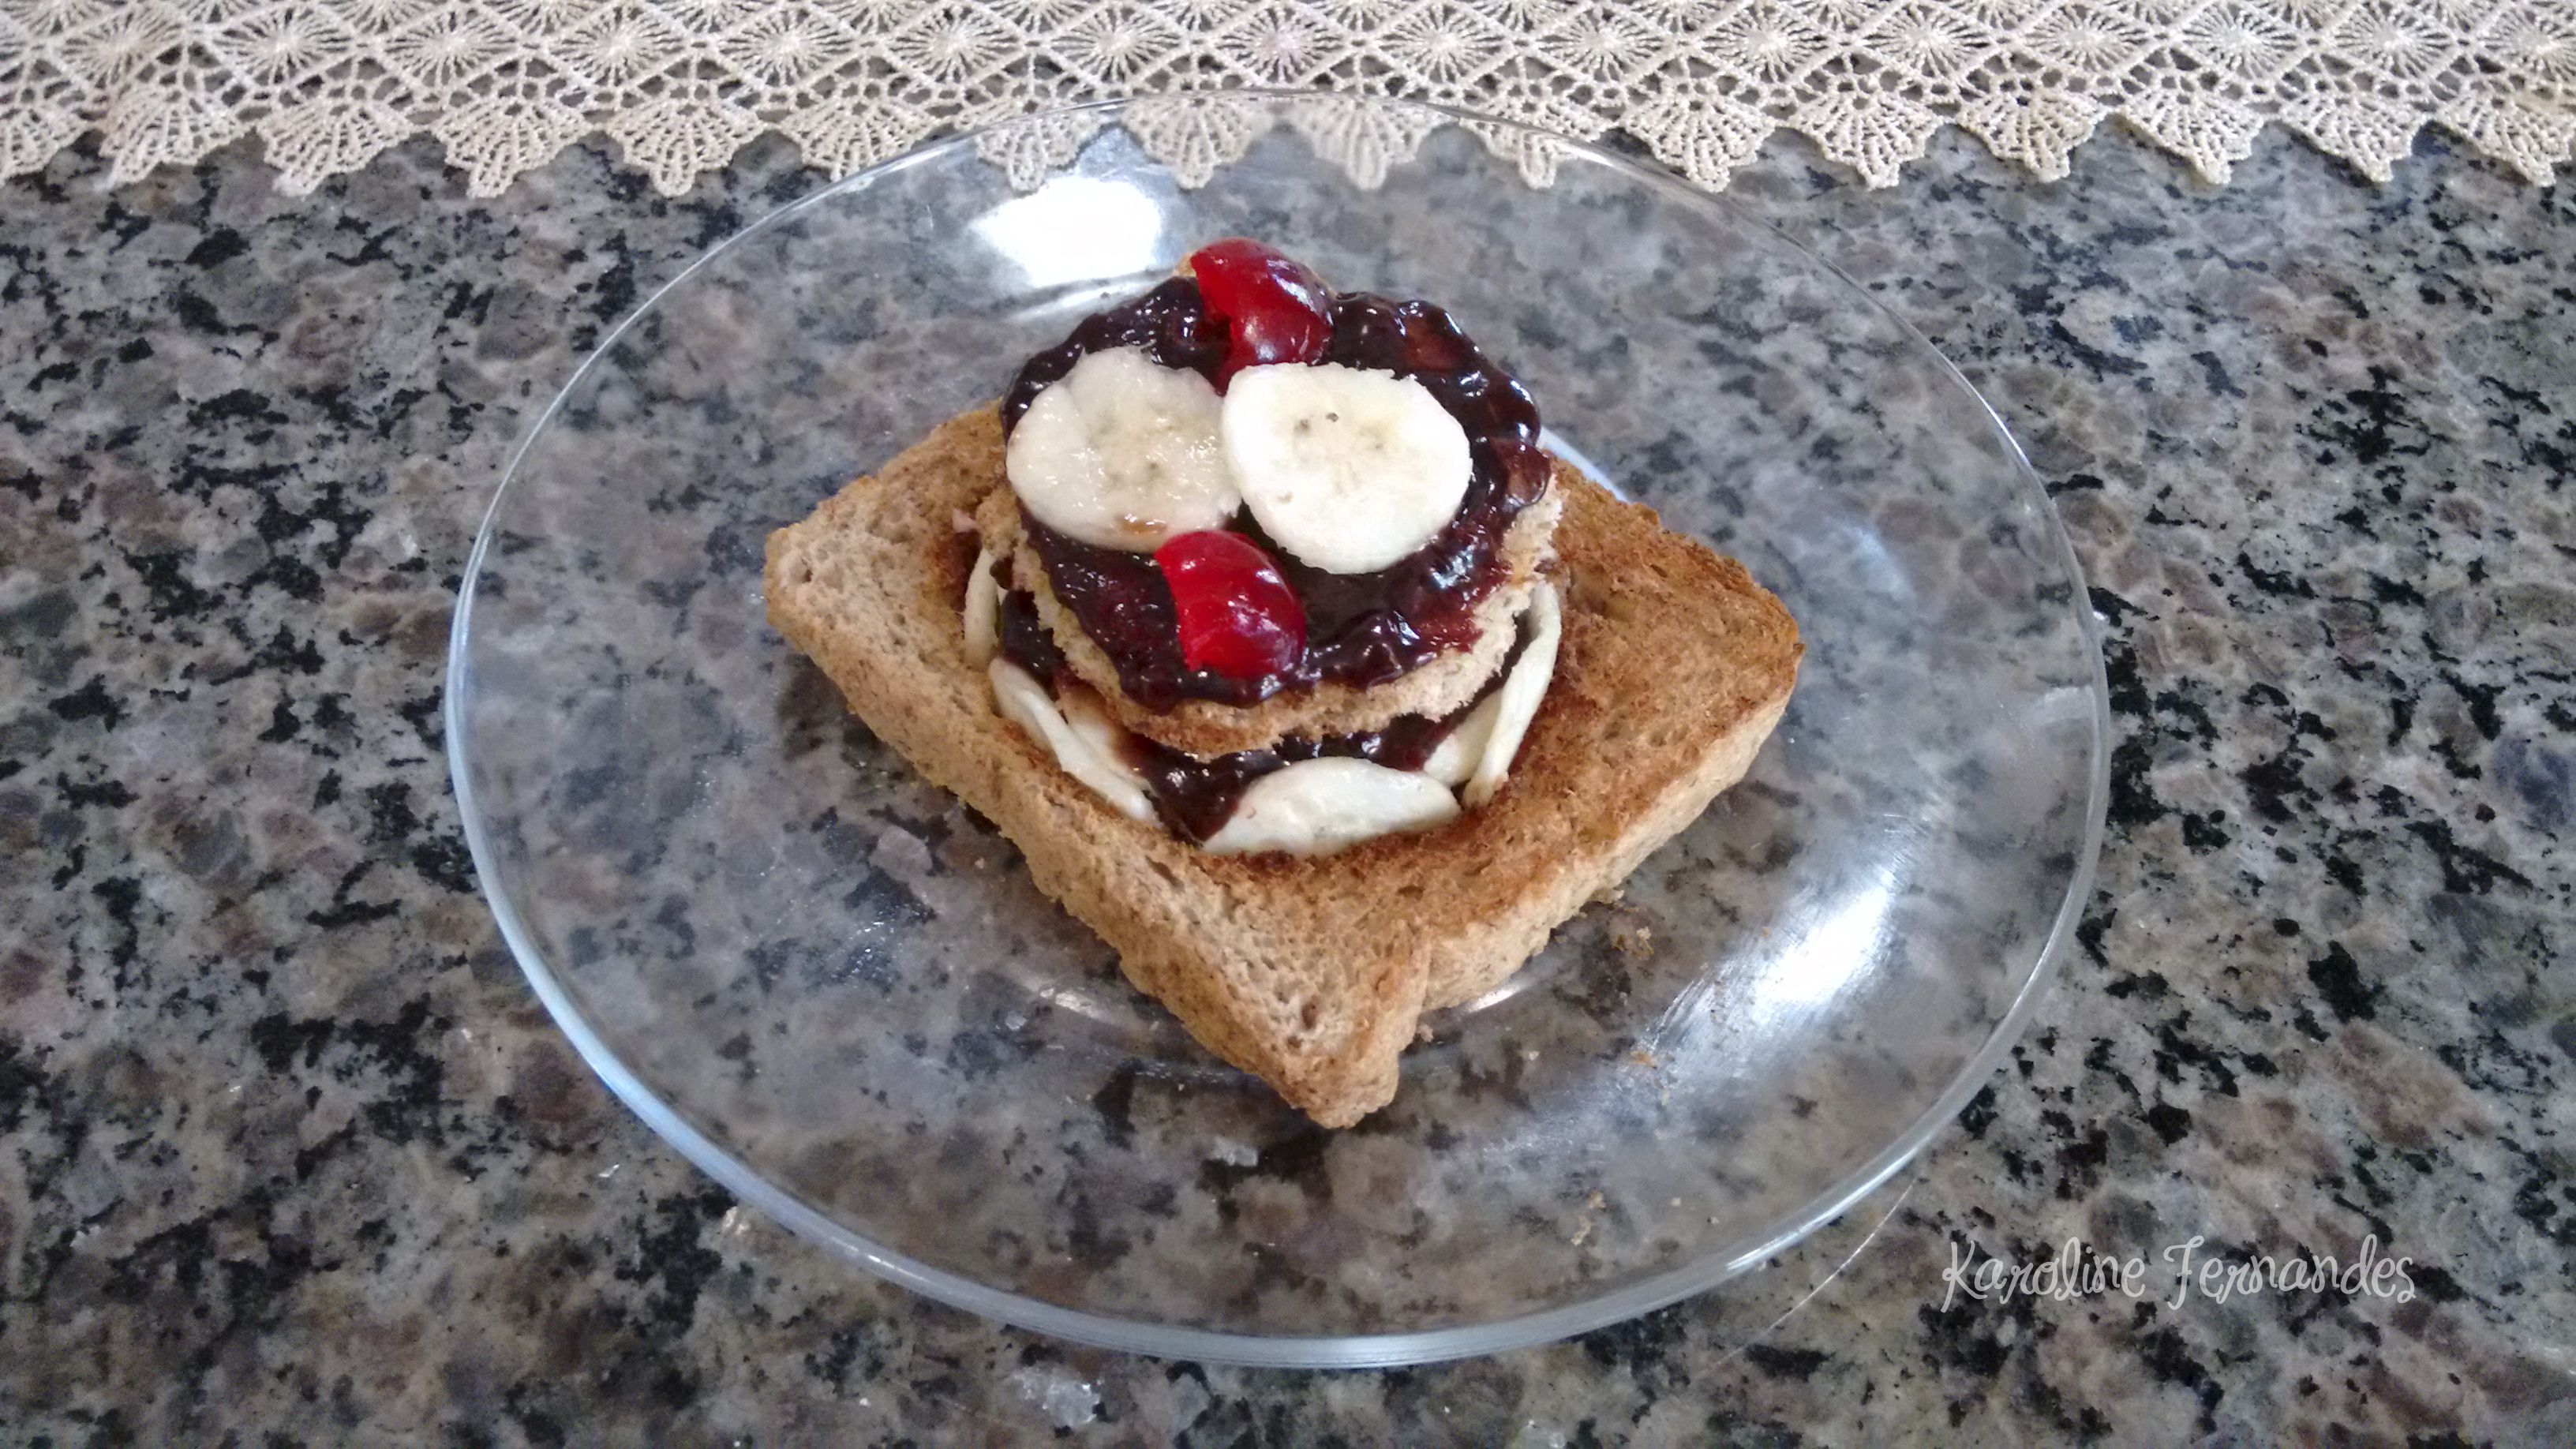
[(286, 1145)]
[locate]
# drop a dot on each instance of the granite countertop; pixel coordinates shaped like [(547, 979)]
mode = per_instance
[(288, 1148)]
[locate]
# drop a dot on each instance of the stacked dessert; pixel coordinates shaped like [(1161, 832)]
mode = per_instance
[(1270, 565), (1257, 617)]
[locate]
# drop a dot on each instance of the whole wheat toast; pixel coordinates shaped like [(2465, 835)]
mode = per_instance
[(1310, 973)]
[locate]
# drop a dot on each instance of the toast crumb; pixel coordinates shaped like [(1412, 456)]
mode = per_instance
[(1593, 1203)]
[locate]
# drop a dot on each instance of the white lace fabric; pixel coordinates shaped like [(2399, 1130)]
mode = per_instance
[(682, 84)]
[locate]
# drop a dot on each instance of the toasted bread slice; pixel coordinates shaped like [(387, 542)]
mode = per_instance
[(1310, 974), (1206, 729)]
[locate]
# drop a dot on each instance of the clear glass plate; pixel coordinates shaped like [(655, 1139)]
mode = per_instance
[(835, 989)]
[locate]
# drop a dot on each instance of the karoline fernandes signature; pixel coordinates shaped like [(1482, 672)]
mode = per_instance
[(2077, 1271)]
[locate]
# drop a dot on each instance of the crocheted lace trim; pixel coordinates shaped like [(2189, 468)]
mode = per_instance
[(682, 84)]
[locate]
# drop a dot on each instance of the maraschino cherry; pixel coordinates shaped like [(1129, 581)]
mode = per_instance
[(1236, 613), (1274, 309)]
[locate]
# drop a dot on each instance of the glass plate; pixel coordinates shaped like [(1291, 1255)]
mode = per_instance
[(835, 989)]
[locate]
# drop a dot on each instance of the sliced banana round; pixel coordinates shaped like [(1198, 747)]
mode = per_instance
[(1454, 759), (1347, 468), (1090, 722), (1019, 698), (1316, 807), (1517, 701), (983, 610), (1123, 453)]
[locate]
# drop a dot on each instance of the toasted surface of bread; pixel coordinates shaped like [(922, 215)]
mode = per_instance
[(1205, 729), (1311, 974)]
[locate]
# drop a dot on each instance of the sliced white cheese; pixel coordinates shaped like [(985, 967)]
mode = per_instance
[(1024, 702), (1315, 807), (1518, 699), (1464, 745), (983, 610)]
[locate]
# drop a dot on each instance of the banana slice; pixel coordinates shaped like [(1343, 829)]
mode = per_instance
[(1123, 453), (1316, 807), (1517, 701), (1019, 698), (1348, 468), (1090, 721), (1454, 759), (983, 610)]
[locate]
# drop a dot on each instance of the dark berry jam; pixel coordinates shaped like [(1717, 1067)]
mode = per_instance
[(1196, 797), (1362, 630), (1169, 322), (1024, 637)]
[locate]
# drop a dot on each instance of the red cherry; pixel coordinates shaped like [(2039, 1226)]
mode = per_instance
[(1276, 310), (1237, 615)]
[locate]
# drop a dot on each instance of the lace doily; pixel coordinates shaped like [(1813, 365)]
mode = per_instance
[(682, 84)]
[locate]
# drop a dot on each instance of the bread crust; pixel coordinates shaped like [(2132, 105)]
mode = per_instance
[(1674, 667)]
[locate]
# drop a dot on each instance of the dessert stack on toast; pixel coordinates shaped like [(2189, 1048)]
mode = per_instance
[(1255, 615)]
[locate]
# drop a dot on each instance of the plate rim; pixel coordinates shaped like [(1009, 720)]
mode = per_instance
[(1370, 1350)]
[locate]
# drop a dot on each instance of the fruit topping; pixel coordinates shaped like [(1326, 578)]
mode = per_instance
[(1122, 453), (1316, 807), (1517, 701), (1236, 614), (1274, 309), (1349, 469), (1170, 323), (1022, 637), (1363, 629), (983, 610), (1522, 468), (1021, 699)]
